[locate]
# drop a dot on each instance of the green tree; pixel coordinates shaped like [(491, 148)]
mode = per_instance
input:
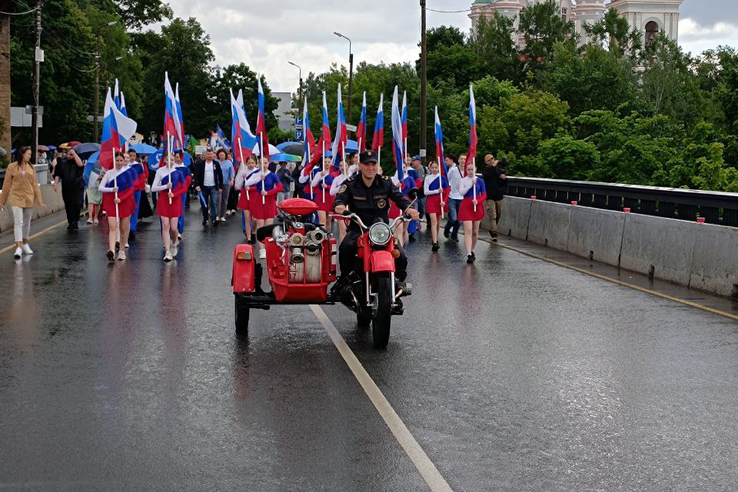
[(492, 41), (542, 27), (594, 79), (613, 32), (567, 158), (450, 57)]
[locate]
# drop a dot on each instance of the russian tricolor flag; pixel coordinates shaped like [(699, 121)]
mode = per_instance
[(339, 143), (116, 95), (171, 118), (308, 138), (472, 127), (378, 137), (242, 139), (181, 118), (397, 134), (440, 154), (404, 123), (123, 104), (117, 128), (261, 132), (325, 136), (361, 129)]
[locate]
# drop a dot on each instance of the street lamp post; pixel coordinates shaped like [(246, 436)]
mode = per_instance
[(299, 90), (351, 72)]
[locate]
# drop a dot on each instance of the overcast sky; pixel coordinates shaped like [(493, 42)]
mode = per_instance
[(267, 34)]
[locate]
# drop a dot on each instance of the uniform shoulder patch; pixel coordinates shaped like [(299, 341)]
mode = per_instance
[(350, 180), (386, 178), (343, 188)]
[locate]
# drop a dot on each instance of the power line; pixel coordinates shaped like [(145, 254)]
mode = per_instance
[(20, 13), (447, 11)]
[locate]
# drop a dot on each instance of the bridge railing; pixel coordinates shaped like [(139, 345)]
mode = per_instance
[(716, 207)]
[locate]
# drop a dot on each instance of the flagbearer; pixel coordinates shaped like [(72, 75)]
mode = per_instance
[(248, 195), (117, 186), (321, 184), (171, 185), (436, 193), (471, 210), (267, 186), (187, 174)]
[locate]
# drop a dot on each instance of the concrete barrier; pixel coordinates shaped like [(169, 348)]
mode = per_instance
[(715, 259), (596, 234), (515, 217), (658, 247), (701, 256), (549, 224), (52, 199)]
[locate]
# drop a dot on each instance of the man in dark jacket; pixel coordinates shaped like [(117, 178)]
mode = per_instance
[(208, 179), (70, 170), (495, 181)]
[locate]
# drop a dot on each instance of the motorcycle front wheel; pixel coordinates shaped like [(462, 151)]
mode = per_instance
[(383, 320), (242, 317)]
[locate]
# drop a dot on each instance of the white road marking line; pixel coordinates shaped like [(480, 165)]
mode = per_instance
[(425, 466)]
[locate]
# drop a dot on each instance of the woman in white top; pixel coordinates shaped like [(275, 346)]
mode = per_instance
[(248, 195), (436, 188)]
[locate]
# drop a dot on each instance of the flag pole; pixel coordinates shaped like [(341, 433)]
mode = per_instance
[(440, 183), (117, 210), (240, 151), (343, 155), (379, 159), (322, 170), (261, 157), (474, 185), (169, 163)]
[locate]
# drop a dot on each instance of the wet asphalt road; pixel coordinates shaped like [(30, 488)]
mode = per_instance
[(512, 374)]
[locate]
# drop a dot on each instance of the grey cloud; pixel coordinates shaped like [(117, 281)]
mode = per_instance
[(710, 12)]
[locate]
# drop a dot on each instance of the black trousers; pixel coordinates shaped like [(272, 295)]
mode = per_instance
[(349, 262), (73, 197)]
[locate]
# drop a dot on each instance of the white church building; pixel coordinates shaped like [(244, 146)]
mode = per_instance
[(649, 17)]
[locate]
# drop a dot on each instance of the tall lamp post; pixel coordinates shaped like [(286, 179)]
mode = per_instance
[(96, 94), (351, 71), (299, 90)]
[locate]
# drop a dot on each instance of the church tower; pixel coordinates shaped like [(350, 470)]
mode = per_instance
[(649, 17)]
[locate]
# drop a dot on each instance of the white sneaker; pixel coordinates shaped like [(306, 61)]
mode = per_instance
[(262, 253), (89, 221), (175, 250), (168, 256), (18, 253), (127, 246), (27, 249), (97, 221), (121, 255), (179, 237)]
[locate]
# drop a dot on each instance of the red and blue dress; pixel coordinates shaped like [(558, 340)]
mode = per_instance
[(264, 207), (248, 194), (407, 184), (436, 190), (467, 189), (125, 180), (322, 190), (161, 185)]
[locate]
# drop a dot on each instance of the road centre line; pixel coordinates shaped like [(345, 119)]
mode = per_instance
[(424, 465), (615, 281)]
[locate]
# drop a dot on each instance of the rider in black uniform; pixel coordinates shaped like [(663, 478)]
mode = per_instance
[(367, 194)]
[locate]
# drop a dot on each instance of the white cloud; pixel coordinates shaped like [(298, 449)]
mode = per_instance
[(696, 38)]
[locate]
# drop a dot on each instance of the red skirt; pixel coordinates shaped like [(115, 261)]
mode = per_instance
[(394, 211), (433, 204), (265, 210), (324, 205), (244, 200), (466, 210), (125, 207), (164, 209)]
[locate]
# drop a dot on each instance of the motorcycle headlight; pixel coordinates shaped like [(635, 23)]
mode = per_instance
[(380, 234)]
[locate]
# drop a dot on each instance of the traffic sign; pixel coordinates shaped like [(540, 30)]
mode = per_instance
[(298, 135)]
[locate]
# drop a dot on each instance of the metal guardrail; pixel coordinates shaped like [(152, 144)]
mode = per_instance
[(716, 207)]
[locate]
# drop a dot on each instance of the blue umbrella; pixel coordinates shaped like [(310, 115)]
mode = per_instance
[(51, 147), (285, 158), (352, 146), (92, 165), (144, 149), (294, 148)]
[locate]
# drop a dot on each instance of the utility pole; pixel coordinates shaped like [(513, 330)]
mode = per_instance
[(96, 94), (423, 82), (38, 56)]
